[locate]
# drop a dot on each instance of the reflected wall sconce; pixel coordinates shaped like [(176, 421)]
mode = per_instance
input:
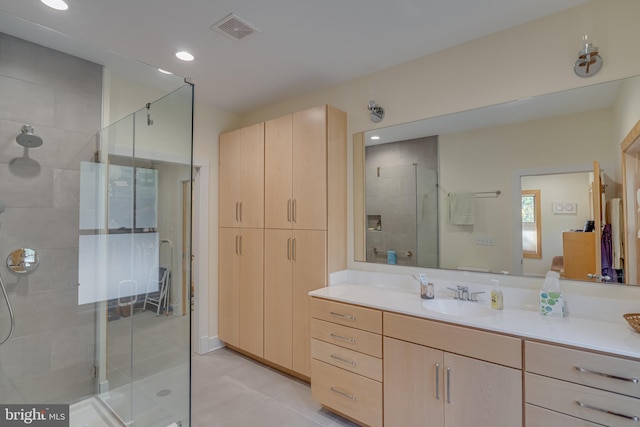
[(376, 112), (589, 62)]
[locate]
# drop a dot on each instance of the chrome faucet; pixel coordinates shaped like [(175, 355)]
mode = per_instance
[(462, 293)]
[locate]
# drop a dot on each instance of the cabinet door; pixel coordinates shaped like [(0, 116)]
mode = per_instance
[(278, 295), (481, 394), (251, 209), (309, 256), (251, 298), (413, 385), (229, 183), (228, 281), (310, 169), (278, 172)]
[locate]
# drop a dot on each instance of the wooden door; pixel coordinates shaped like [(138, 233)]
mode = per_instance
[(310, 169), (278, 166), (309, 258), (578, 251), (228, 280), (229, 178), (278, 294), (481, 394), (250, 248), (413, 385), (251, 209)]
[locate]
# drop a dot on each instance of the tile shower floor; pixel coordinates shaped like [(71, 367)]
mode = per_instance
[(230, 390)]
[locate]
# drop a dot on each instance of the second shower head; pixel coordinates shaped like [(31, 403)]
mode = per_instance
[(27, 138)]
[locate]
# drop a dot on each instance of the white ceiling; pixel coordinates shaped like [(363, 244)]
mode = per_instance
[(302, 45)]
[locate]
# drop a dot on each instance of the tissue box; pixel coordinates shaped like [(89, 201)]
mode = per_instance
[(551, 304)]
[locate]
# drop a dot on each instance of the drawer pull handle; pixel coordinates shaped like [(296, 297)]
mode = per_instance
[(344, 316), (340, 337), (617, 414), (343, 394), (343, 359), (437, 381), (448, 384), (589, 371)]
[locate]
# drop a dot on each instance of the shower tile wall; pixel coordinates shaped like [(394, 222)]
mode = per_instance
[(50, 357), (406, 202)]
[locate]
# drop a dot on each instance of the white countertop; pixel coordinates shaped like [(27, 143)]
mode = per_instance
[(611, 337)]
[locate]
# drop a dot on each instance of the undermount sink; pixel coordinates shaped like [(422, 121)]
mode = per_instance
[(454, 307)]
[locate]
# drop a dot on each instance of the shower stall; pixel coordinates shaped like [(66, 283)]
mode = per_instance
[(84, 221)]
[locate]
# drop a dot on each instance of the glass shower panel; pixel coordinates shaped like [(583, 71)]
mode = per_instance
[(427, 217), (391, 214)]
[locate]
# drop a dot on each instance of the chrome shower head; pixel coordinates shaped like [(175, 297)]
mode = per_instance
[(28, 139)]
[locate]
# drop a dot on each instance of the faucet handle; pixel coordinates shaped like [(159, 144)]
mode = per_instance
[(474, 296)]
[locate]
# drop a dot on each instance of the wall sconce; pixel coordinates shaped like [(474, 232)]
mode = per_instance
[(376, 112), (589, 62)]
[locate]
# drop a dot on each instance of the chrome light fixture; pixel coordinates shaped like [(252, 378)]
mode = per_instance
[(376, 112), (589, 62)]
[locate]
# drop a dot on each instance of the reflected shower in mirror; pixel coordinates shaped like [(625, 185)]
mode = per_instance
[(402, 202), (494, 148)]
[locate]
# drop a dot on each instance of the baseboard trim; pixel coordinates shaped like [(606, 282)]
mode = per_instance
[(208, 344)]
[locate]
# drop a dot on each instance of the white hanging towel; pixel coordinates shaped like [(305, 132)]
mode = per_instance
[(614, 217), (462, 208)]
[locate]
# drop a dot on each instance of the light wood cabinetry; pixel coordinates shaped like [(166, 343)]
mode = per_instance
[(427, 386), (295, 263), (241, 169), (305, 222), (240, 297), (296, 170), (287, 177), (578, 253), (587, 386), (346, 369)]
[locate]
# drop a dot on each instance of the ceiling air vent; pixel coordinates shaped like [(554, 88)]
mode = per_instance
[(234, 27)]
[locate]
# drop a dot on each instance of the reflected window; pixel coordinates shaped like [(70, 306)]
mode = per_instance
[(531, 224)]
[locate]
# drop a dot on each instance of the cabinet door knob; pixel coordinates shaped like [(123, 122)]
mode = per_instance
[(294, 210), (289, 210), (289, 248)]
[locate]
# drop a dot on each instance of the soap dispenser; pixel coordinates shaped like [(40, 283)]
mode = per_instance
[(497, 302)]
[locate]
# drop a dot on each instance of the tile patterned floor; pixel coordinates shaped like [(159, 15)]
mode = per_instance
[(230, 390)]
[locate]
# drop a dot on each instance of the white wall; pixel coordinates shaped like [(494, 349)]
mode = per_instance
[(486, 160)]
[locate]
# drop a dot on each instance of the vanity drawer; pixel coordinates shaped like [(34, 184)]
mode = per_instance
[(495, 348), (350, 394), (606, 408), (343, 336), (363, 318), (350, 360), (540, 417), (582, 367)]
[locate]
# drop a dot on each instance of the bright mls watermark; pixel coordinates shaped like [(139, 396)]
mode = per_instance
[(34, 415)]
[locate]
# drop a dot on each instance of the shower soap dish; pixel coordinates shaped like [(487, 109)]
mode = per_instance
[(634, 320)]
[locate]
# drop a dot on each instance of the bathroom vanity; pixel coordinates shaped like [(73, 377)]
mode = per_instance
[(382, 356)]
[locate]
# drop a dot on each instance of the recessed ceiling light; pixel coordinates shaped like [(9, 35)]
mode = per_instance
[(184, 55), (56, 4), (164, 71), (375, 137)]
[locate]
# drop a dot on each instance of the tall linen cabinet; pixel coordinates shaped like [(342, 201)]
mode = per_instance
[(241, 239), (305, 227)]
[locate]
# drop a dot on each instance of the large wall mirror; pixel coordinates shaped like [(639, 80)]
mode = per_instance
[(509, 188)]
